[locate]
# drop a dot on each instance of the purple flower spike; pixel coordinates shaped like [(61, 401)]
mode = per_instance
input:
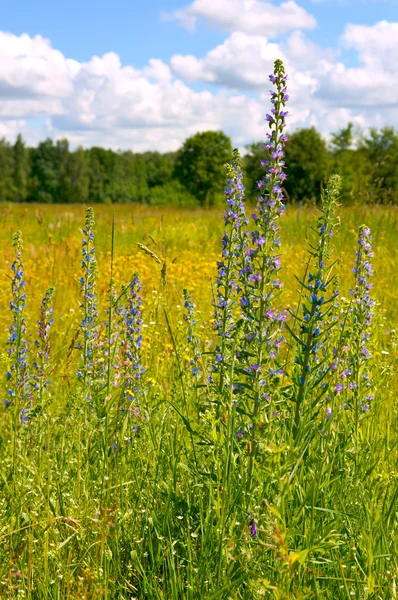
[(18, 378)]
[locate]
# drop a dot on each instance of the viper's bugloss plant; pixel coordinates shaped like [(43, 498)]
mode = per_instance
[(17, 374), (131, 367), (195, 361), (233, 245), (259, 281), (318, 297), (259, 273), (352, 386), (88, 306), (361, 322), (41, 365)]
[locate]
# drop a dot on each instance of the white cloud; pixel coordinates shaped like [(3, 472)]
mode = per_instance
[(244, 61), (373, 83), (324, 91), (102, 102), (377, 46), (10, 129), (31, 68), (258, 17)]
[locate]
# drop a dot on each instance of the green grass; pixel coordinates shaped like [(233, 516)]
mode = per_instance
[(165, 514)]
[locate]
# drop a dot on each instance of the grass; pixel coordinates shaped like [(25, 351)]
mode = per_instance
[(90, 509)]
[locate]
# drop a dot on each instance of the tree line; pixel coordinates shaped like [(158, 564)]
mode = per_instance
[(194, 175)]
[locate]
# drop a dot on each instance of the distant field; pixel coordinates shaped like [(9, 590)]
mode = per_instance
[(188, 239)]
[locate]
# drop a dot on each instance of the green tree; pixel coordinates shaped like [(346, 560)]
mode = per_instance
[(159, 167), (21, 170), (127, 181), (381, 149), (200, 164), (307, 164), (343, 139), (351, 164), (7, 188), (74, 178), (101, 167), (48, 159), (171, 193)]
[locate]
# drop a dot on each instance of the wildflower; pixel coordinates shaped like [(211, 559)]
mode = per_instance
[(315, 324), (233, 247), (131, 340), (192, 339), (259, 263), (253, 528), (262, 263), (88, 305), (17, 374), (41, 364), (359, 324)]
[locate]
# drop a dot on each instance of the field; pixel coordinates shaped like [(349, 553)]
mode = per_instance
[(189, 241), (171, 501)]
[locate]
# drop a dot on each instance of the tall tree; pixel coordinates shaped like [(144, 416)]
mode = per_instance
[(343, 139), (45, 172), (102, 164), (200, 164), (351, 164), (74, 178), (7, 188), (308, 164), (21, 169), (381, 148)]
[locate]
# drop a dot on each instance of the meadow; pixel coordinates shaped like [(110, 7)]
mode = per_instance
[(229, 431)]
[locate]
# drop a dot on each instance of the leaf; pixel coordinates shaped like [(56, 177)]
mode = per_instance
[(298, 340)]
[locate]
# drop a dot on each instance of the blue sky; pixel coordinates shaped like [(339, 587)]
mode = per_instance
[(206, 54), (135, 30)]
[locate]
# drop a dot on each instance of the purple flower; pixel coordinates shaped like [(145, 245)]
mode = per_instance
[(244, 301), (18, 376), (260, 241), (253, 528)]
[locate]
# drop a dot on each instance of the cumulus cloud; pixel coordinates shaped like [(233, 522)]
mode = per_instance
[(103, 102), (323, 89), (377, 46), (371, 84), (244, 61), (31, 68), (251, 16)]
